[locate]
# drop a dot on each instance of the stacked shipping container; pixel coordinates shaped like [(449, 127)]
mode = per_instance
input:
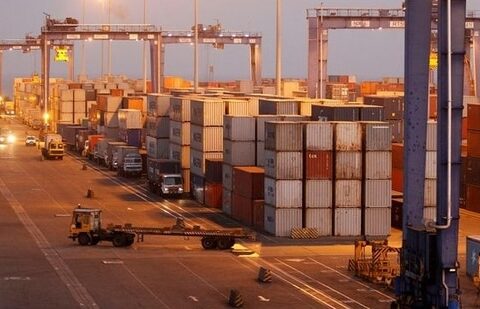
[(472, 179), (158, 130)]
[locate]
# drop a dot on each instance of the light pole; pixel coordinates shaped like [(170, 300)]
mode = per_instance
[(82, 58), (278, 67), (144, 49), (195, 52), (109, 63)]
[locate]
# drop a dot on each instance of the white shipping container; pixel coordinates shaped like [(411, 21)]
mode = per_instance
[(378, 165), (98, 85), (348, 165), (239, 128), (430, 213), (206, 139), (348, 222), (253, 108), (180, 132), (378, 136), (158, 104), (79, 95), (319, 219), (227, 176), (284, 136), (158, 127), (378, 193), (261, 120), (348, 193), (180, 153), (318, 194), (239, 153), (227, 201), (236, 107), (207, 112), (431, 165), (110, 119), (66, 107), (280, 221), (431, 144), (197, 160), (66, 117), (66, 95), (180, 109), (283, 193), (129, 119), (430, 198), (158, 148), (378, 221), (319, 135), (348, 136), (260, 154), (113, 104), (283, 165)]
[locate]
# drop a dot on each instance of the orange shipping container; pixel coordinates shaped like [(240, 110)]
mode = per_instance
[(432, 109), (474, 116), (213, 195), (464, 127), (132, 103), (116, 92), (473, 143), (473, 198), (397, 179), (248, 181), (318, 164), (75, 86), (397, 155), (243, 208)]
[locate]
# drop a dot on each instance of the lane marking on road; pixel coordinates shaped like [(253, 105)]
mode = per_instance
[(295, 260), (78, 291), (193, 298), (263, 298), (112, 262), (16, 278), (63, 215)]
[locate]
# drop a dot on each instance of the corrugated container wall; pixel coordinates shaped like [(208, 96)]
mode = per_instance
[(348, 222), (318, 164), (208, 112), (319, 219), (180, 132), (227, 176), (239, 153), (431, 165), (430, 198), (473, 254), (236, 107), (227, 201), (378, 193), (283, 193), (283, 165), (378, 136), (348, 165), (431, 135), (348, 136), (207, 139), (280, 222), (377, 221), (249, 181), (378, 165), (158, 104), (130, 119), (278, 107), (348, 193), (318, 135), (180, 153), (180, 109), (318, 193), (158, 127), (261, 120), (158, 148), (238, 128), (284, 136), (197, 160)]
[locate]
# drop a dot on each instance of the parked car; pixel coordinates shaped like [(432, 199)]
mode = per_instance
[(30, 140)]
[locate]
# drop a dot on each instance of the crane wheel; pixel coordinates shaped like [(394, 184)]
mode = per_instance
[(225, 243), (84, 239), (119, 240), (209, 243)]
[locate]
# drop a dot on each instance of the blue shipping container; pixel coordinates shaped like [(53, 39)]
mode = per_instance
[(473, 252), (133, 137)]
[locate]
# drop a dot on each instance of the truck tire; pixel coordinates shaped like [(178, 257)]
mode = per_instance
[(130, 240), (95, 241), (84, 239), (209, 243), (119, 240), (225, 243)]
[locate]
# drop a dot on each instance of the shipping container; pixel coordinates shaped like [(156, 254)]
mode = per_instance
[(348, 193), (393, 105), (295, 118), (130, 119), (213, 170), (158, 148), (283, 193), (134, 103), (348, 222), (348, 165), (280, 221), (109, 103), (133, 137), (377, 136), (431, 144), (249, 181), (348, 136), (278, 107), (238, 128), (473, 197), (180, 153), (377, 221), (79, 95), (207, 112), (473, 143), (261, 120), (333, 112), (213, 194), (318, 164), (473, 116), (242, 209), (207, 139), (431, 165), (66, 95), (378, 165), (473, 255), (65, 107), (318, 194), (430, 197), (111, 132), (283, 165), (227, 176), (197, 187), (430, 213), (319, 219), (180, 109), (227, 201), (260, 161), (397, 213), (180, 132), (259, 214), (473, 171), (318, 135), (197, 160), (397, 130), (284, 136), (378, 193), (239, 153), (371, 113), (158, 104), (236, 107), (110, 120), (158, 127)]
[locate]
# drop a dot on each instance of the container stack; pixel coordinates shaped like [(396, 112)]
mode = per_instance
[(180, 136), (377, 183), (79, 105), (279, 107), (283, 177), (393, 111), (430, 205), (318, 176), (206, 140), (260, 136), (213, 183), (157, 139), (472, 181), (247, 195), (65, 106), (238, 150), (130, 126), (108, 107), (348, 178)]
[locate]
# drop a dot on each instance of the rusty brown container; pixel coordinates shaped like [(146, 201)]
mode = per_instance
[(213, 170), (213, 195), (473, 116), (397, 155), (258, 214), (242, 209), (397, 213), (318, 164), (248, 181), (464, 127), (473, 143), (473, 198), (397, 179), (116, 92)]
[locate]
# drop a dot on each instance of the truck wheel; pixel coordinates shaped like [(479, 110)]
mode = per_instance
[(209, 243), (130, 240), (225, 243), (84, 239), (119, 240)]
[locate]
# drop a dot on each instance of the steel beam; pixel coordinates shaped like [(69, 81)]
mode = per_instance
[(476, 64), (71, 64), (255, 64), (45, 77)]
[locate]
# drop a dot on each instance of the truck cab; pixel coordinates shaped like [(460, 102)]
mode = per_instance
[(127, 160), (53, 146), (164, 177), (171, 184)]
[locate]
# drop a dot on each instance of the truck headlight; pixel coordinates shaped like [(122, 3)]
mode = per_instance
[(180, 190)]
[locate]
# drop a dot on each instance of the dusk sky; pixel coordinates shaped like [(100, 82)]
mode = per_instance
[(368, 54)]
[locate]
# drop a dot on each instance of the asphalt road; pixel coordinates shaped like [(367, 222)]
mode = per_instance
[(41, 268)]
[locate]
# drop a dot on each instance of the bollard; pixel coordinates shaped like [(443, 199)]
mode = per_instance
[(84, 166), (235, 300), (90, 193), (264, 275)]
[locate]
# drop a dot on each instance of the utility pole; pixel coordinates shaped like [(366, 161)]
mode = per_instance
[(144, 49), (278, 67), (195, 52)]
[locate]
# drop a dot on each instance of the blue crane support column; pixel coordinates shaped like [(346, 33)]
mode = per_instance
[(447, 241)]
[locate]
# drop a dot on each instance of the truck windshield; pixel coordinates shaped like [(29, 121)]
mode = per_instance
[(169, 181)]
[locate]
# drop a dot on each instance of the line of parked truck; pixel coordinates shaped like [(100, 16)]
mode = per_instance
[(164, 176)]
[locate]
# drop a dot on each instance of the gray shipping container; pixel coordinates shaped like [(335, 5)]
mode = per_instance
[(318, 194), (430, 213), (158, 127), (377, 136), (227, 201), (227, 176), (207, 112), (197, 160), (283, 193), (239, 153), (397, 130), (348, 193), (158, 104), (180, 109), (279, 107), (260, 154), (348, 136), (158, 148), (319, 219), (261, 120), (431, 135), (180, 153), (180, 132), (280, 221), (283, 165), (393, 106), (318, 135), (430, 198), (377, 221), (348, 221), (206, 139), (327, 112), (284, 136), (378, 193), (348, 165), (378, 165), (371, 113), (431, 165), (239, 128)]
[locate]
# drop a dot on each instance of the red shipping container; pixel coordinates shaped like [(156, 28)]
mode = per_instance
[(242, 209), (473, 198), (397, 155), (397, 179), (432, 113), (318, 164), (473, 112), (464, 127), (213, 195), (248, 181), (473, 143), (116, 92), (258, 214)]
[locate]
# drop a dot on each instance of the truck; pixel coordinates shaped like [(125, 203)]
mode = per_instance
[(109, 157), (36, 123), (164, 177), (52, 146), (100, 150), (9, 108), (86, 228), (127, 160), (90, 144), (69, 135)]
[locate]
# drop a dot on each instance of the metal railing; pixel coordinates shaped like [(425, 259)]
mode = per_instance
[(233, 34), (101, 28), (349, 12)]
